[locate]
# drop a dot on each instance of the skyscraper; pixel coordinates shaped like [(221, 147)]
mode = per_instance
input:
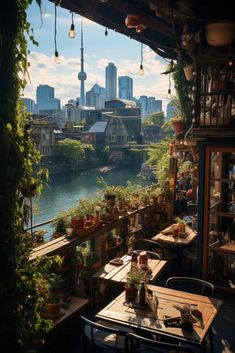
[(96, 97), (82, 75), (125, 87), (111, 81), (46, 100)]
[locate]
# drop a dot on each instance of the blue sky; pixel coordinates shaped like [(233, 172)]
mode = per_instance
[(98, 49)]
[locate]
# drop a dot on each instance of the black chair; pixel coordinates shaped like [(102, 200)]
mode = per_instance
[(139, 344), (98, 338), (192, 285), (196, 286), (150, 245)]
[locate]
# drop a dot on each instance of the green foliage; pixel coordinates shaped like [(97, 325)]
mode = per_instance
[(71, 151), (183, 88), (156, 118), (104, 154), (156, 151), (89, 153), (167, 129), (22, 329)]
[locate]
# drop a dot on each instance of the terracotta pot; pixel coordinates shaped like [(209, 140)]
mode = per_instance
[(77, 223), (220, 33), (178, 126), (51, 310), (181, 228), (136, 21)]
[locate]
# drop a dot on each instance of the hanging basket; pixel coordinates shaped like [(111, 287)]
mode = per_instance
[(220, 33), (188, 71)]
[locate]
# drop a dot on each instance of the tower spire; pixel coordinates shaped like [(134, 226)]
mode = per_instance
[(82, 75)]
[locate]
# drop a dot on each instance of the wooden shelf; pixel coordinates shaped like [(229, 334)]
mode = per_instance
[(226, 248), (63, 243)]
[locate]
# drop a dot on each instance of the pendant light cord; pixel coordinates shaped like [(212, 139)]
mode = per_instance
[(55, 33)]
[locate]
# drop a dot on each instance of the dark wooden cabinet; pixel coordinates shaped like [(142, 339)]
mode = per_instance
[(219, 217)]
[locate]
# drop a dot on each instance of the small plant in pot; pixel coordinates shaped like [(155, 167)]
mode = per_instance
[(178, 124), (60, 223), (48, 283), (181, 224)]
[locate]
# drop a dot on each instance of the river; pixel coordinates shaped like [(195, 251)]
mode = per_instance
[(64, 191)]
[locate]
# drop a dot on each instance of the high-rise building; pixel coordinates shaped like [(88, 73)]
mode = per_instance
[(82, 75), (30, 104), (111, 81), (125, 87), (143, 100), (96, 97), (45, 96), (154, 105), (171, 109)]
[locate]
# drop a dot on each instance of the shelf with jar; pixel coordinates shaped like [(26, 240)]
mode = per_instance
[(215, 97)]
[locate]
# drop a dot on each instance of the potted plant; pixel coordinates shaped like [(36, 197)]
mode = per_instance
[(181, 224), (178, 124), (48, 282), (60, 223)]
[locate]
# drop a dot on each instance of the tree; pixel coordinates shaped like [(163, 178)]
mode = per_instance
[(156, 151), (71, 151), (167, 130), (156, 118), (89, 153)]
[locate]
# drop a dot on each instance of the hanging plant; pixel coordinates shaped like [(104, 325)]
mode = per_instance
[(22, 329)]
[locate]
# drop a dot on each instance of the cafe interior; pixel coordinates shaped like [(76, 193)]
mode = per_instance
[(167, 282)]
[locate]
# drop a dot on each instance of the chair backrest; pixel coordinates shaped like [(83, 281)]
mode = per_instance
[(150, 245), (139, 344), (97, 337), (150, 254), (192, 285)]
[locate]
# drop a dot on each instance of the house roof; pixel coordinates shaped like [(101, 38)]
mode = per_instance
[(175, 29), (99, 126)]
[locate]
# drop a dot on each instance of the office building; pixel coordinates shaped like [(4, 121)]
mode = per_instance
[(111, 81), (96, 97), (45, 97), (125, 87), (30, 105)]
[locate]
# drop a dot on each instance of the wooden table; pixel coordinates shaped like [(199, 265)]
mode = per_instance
[(76, 304), (168, 238), (114, 273), (118, 312)]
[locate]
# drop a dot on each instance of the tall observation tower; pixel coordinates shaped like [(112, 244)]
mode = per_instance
[(82, 75)]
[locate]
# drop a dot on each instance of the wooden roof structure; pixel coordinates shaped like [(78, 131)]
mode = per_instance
[(174, 29)]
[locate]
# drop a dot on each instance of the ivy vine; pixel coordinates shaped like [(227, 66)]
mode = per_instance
[(21, 327)]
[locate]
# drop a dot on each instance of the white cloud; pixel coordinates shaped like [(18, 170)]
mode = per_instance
[(64, 79)]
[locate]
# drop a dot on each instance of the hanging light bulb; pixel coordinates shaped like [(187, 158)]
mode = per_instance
[(106, 31), (72, 33), (169, 96), (57, 59), (141, 69), (104, 0)]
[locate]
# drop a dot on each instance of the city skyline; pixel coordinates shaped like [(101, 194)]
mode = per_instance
[(99, 51)]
